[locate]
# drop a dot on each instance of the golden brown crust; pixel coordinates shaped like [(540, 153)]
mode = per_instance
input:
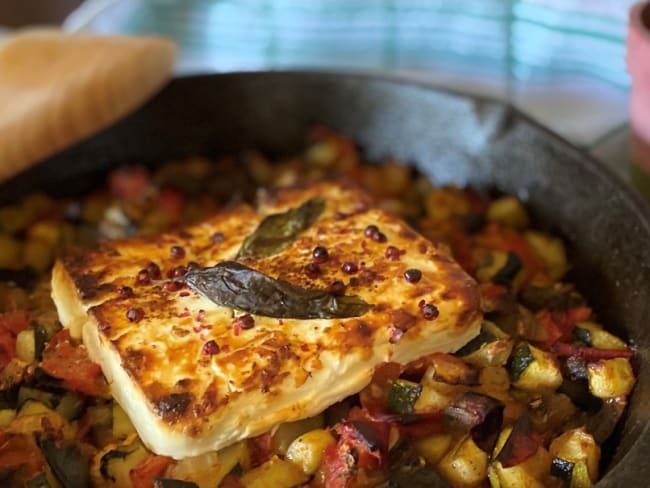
[(191, 393), (57, 88)]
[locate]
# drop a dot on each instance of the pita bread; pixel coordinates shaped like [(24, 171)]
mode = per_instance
[(57, 88)]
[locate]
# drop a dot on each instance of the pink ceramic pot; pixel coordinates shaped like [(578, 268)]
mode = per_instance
[(638, 64)]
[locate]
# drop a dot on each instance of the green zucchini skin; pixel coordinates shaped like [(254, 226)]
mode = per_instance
[(520, 360), (402, 397)]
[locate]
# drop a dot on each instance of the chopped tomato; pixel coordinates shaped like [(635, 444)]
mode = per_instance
[(590, 353), (64, 359), (144, 473), (260, 448), (128, 184), (11, 324), (20, 451), (172, 202), (502, 238), (374, 396), (559, 324), (362, 445)]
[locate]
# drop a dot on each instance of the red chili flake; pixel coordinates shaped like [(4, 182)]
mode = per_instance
[(280, 322), (217, 237), (430, 311), (393, 253), (337, 288), (201, 315), (154, 271), (185, 312), (413, 275), (125, 292), (244, 322), (143, 277), (422, 247), (135, 314), (172, 286), (304, 347), (367, 276), (589, 353), (354, 281), (210, 348), (225, 348), (320, 254), (184, 293), (350, 267), (312, 270), (177, 252)]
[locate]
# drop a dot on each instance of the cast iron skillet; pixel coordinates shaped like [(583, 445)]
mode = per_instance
[(450, 137)]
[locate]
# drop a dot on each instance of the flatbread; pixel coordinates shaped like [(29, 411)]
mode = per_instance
[(57, 88)]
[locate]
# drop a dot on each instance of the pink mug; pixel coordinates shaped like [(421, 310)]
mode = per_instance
[(638, 65)]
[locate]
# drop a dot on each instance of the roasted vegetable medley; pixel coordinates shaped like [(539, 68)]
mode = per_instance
[(526, 403)]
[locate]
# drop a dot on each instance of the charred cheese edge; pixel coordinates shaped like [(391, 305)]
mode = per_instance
[(184, 402)]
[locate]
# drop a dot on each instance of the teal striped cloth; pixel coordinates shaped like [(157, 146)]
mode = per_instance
[(521, 50)]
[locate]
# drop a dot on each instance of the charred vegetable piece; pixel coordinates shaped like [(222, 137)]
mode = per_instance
[(521, 444), (407, 469), (113, 464), (610, 378), (38, 481), (234, 285), (592, 334), (532, 369), (68, 464), (279, 230), (491, 347), (465, 464), (480, 414), (169, 483), (50, 400), (506, 275), (557, 298), (402, 397), (41, 337), (575, 458)]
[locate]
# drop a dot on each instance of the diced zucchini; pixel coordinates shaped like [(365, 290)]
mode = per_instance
[(508, 210), (551, 251), (402, 396), (122, 426), (25, 346), (575, 458), (491, 347), (100, 418), (436, 395), (465, 465), (6, 416), (532, 369), (288, 431), (510, 274), (494, 378), (275, 472), (307, 450), (51, 400), (207, 470), (41, 336), (30, 420), (610, 378), (112, 465), (493, 262), (593, 335), (434, 447), (38, 481), (70, 406), (531, 473), (33, 407)]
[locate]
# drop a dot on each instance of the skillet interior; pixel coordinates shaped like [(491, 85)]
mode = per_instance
[(452, 138)]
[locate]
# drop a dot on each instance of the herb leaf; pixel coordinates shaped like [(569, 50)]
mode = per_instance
[(231, 284), (279, 230)]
